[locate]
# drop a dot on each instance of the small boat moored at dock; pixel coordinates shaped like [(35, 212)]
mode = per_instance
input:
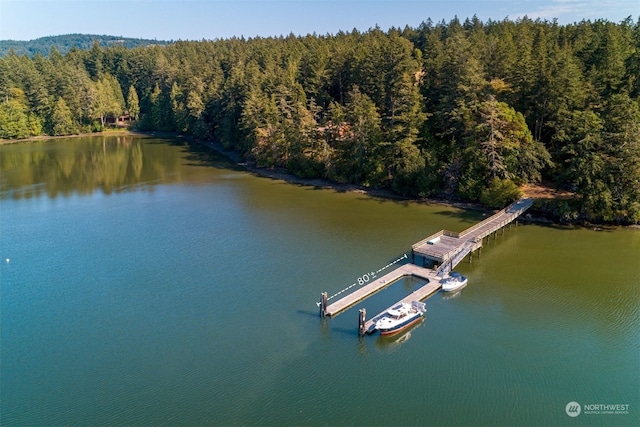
[(400, 317), (454, 282)]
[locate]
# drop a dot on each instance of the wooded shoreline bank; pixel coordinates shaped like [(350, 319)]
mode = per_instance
[(44, 138), (537, 215)]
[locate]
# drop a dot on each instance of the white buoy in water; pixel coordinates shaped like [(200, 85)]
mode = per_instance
[(8, 260)]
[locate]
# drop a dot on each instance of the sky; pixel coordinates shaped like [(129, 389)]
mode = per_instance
[(218, 19)]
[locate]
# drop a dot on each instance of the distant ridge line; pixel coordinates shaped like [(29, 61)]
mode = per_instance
[(64, 43)]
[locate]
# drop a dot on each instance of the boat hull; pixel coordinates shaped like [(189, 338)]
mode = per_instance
[(454, 287), (401, 327), (454, 282)]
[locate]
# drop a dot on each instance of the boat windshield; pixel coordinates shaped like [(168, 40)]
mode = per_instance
[(395, 314)]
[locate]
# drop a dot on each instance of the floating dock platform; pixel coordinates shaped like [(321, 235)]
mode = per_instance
[(376, 285)]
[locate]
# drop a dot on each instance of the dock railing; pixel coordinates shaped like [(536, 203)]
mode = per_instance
[(481, 224), (474, 233), (522, 205)]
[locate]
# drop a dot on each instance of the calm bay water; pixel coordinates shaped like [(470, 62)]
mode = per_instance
[(144, 282)]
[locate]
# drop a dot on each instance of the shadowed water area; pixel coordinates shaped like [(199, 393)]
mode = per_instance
[(148, 282)]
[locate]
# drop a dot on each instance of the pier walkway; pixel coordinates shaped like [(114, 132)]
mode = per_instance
[(444, 248), (448, 248), (376, 285)]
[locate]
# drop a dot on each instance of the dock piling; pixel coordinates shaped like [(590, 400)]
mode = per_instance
[(323, 304), (361, 321)]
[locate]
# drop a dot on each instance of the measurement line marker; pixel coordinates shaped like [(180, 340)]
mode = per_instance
[(365, 278)]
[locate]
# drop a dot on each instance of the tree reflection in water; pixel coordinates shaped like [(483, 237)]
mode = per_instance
[(83, 165)]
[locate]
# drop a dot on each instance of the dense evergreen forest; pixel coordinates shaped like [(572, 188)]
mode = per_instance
[(66, 42), (469, 110)]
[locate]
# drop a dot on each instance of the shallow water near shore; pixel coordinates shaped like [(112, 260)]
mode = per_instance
[(147, 282)]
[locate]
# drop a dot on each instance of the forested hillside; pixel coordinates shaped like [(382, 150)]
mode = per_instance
[(65, 43), (462, 109)]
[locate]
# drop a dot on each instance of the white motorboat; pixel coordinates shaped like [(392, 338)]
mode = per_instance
[(454, 282), (400, 317)]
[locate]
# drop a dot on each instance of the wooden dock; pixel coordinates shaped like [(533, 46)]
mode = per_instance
[(376, 285), (446, 248)]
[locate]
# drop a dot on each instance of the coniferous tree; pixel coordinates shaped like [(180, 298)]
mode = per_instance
[(133, 103), (62, 122)]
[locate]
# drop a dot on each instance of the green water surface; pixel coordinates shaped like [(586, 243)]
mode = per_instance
[(147, 282)]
